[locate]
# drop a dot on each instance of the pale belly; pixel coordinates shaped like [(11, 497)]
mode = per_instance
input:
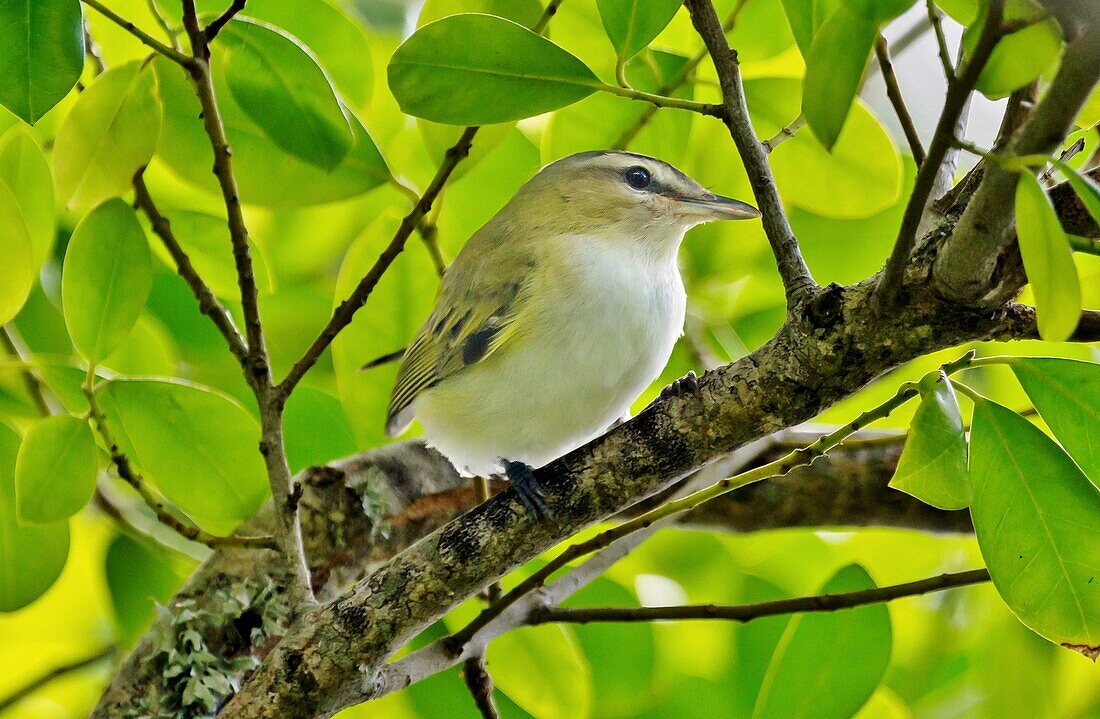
[(562, 385)]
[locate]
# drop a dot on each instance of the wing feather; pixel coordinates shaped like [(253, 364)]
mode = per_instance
[(452, 339)]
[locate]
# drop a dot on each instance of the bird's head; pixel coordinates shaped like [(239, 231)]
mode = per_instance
[(620, 194)]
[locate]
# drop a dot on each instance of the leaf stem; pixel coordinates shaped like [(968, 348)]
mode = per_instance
[(893, 92), (148, 40), (662, 101), (34, 385), (747, 612)]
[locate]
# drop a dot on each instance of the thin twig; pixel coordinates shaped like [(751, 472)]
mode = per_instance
[(220, 21), (785, 133), (208, 302), (257, 369), (31, 381), (1085, 245), (893, 92), (480, 684), (748, 612), (56, 673), (129, 475), (169, 52), (958, 91), (797, 280), (776, 468), (162, 23), (428, 231), (935, 19)]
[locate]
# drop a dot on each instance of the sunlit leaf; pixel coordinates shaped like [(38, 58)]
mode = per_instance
[(828, 664), (860, 177), (55, 474), (106, 279), (23, 168), (41, 54), (197, 446), (280, 86), (542, 670), (1048, 261), (266, 174), (16, 256), (205, 239), (1034, 514), (108, 136), (509, 74), (1018, 58), (1067, 395), (805, 17), (932, 466), (31, 556), (632, 24)]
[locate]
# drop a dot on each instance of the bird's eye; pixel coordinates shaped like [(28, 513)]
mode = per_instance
[(637, 177)]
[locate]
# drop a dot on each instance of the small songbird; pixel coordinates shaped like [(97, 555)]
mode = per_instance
[(555, 315)]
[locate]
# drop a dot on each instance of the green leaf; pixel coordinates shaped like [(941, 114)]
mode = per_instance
[(139, 575), (1017, 59), (834, 70), (932, 466), (197, 446), (1034, 514), (55, 474), (861, 176), (264, 170), (805, 18), (41, 54), (280, 86), (16, 256), (31, 556), (205, 240), (541, 669), (828, 663), (1067, 394), (632, 24), (1085, 188), (316, 429), (106, 279), (110, 133), (1048, 261), (524, 12), (23, 168), (508, 74)]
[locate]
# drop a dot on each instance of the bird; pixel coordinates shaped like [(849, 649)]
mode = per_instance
[(555, 316)]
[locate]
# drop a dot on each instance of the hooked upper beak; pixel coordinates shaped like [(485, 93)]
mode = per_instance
[(717, 207)]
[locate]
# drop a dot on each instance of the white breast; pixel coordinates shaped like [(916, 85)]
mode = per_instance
[(609, 321)]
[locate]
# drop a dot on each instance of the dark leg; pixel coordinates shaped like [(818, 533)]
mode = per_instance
[(688, 384), (527, 487)]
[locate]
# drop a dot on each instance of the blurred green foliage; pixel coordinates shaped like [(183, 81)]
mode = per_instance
[(321, 205)]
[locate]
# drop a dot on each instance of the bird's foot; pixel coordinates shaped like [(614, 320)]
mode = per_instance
[(528, 488), (688, 384)]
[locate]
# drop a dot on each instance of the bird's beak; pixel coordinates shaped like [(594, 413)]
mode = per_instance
[(716, 207)]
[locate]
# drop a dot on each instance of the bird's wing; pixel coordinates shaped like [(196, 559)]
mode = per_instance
[(474, 316)]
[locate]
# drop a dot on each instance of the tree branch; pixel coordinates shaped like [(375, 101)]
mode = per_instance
[(208, 303), (480, 684), (893, 92), (958, 92), (797, 280), (148, 40), (747, 612), (257, 370), (973, 258), (935, 19), (220, 21)]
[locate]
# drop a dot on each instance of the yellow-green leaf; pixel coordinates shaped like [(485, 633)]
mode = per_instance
[(55, 474), (16, 256), (542, 670), (23, 168), (105, 279), (932, 466), (1035, 517), (109, 135), (31, 556), (834, 70), (632, 24), (1048, 261)]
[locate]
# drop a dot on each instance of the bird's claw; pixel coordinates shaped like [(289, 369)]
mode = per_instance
[(530, 492), (688, 384)]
